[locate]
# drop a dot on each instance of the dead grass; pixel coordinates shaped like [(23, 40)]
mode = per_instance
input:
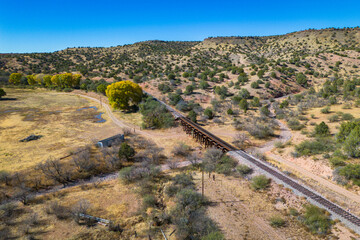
[(111, 200), (50, 114)]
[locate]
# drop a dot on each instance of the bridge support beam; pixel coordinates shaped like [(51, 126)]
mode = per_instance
[(203, 139)]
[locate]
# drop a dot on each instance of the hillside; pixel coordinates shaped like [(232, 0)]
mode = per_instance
[(266, 67)]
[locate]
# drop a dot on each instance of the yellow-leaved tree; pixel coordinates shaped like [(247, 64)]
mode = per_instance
[(47, 80), (15, 78), (124, 94), (31, 79)]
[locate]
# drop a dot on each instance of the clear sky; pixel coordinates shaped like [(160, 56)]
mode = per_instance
[(50, 25)]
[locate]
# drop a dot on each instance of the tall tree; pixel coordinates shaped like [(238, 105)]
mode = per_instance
[(2, 92), (15, 78), (31, 79), (122, 94)]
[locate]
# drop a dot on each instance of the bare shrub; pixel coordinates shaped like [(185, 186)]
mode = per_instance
[(55, 170), (23, 194), (172, 163), (61, 212), (80, 208), (127, 131), (111, 157), (154, 155), (33, 220), (193, 159), (82, 161), (241, 140), (181, 149), (218, 121), (5, 177)]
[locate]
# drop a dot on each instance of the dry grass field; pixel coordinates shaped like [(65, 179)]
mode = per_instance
[(243, 213), (109, 200), (55, 116)]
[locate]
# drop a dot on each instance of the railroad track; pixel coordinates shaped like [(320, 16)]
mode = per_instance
[(305, 191), (354, 220)]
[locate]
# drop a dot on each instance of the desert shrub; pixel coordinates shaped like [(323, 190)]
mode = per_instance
[(181, 149), (351, 143), (347, 117), (211, 158), (334, 118), (209, 113), (240, 140), (61, 212), (126, 152), (183, 180), (244, 169), (189, 216), (131, 174), (317, 220), (277, 221), (149, 200), (180, 181), (216, 235), (312, 147), (346, 106), (279, 144), (265, 111), (325, 110), (345, 129), (322, 129), (226, 165), (230, 111), (155, 115), (295, 124), (293, 212), (82, 207), (350, 171), (337, 162), (260, 182), (259, 129)]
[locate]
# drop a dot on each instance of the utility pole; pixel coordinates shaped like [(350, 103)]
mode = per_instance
[(100, 101), (202, 182)]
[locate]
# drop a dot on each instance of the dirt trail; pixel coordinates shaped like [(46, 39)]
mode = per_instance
[(285, 135)]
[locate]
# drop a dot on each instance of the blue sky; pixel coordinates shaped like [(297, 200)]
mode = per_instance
[(44, 26)]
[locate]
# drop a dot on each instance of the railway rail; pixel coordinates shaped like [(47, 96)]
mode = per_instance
[(201, 133)]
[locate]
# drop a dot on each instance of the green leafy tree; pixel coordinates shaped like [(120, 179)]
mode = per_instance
[(322, 129), (345, 130), (189, 89), (171, 76), (301, 79), (15, 78), (352, 143), (192, 116), (126, 151), (47, 80), (209, 113), (254, 85), (204, 84), (244, 105), (261, 73), (122, 94), (101, 88), (2, 92)]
